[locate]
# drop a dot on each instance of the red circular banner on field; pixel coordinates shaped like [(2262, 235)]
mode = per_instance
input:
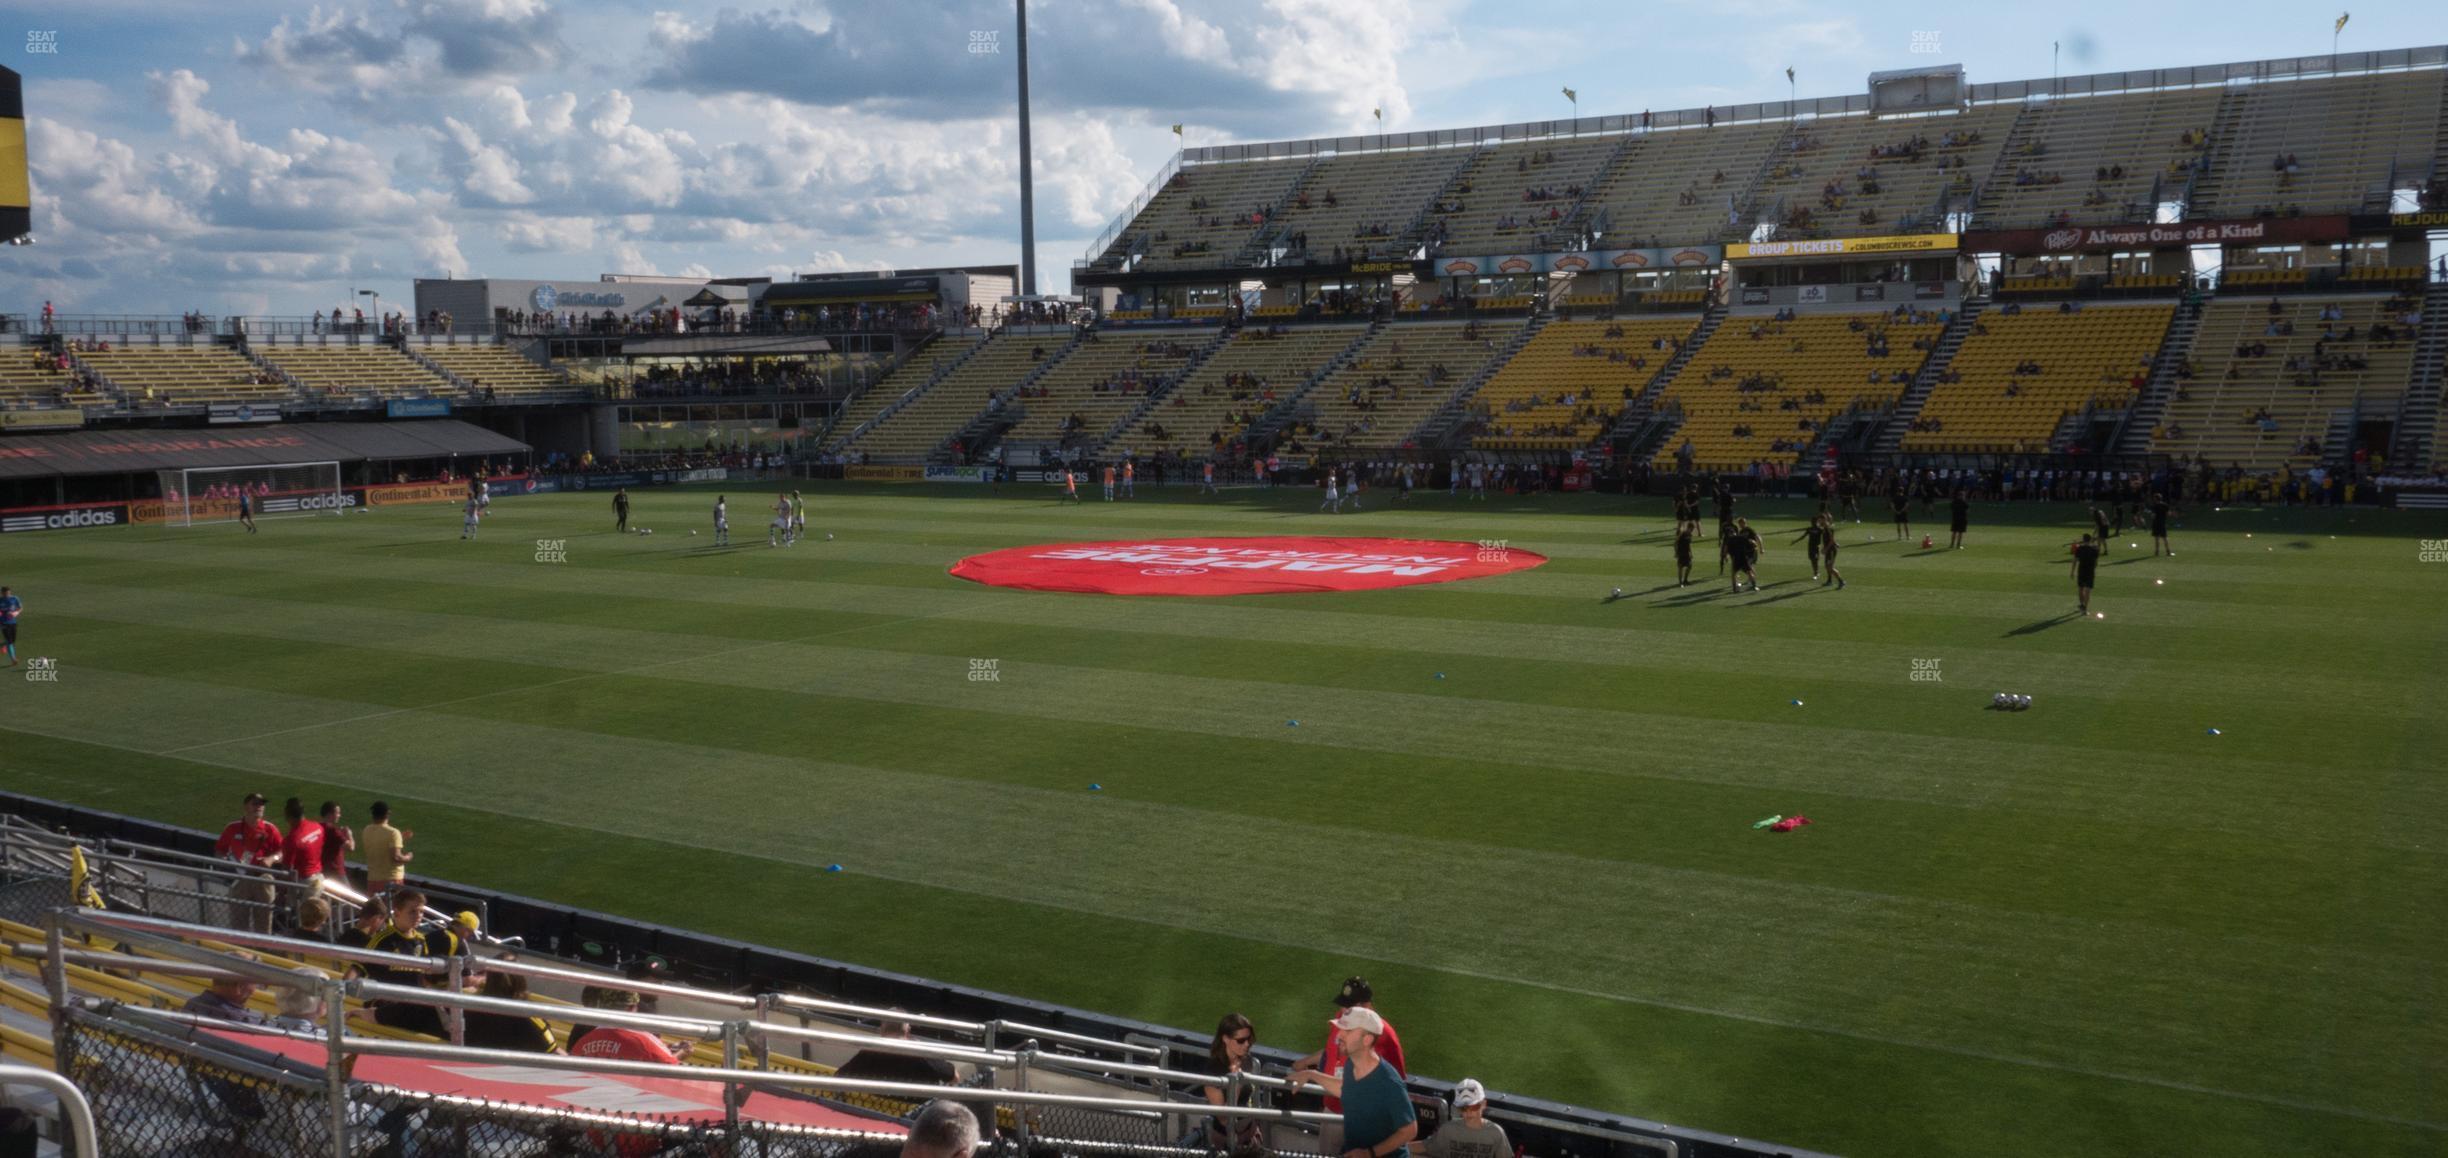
[(1268, 565)]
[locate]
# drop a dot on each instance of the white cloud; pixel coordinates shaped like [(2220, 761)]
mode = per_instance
[(530, 233)]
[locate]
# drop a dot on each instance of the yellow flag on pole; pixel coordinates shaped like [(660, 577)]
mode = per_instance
[(2341, 22)]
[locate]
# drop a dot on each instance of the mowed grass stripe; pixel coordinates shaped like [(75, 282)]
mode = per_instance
[(1401, 618), (1602, 810), (2086, 769), (1063, 863), (1698, 1069)]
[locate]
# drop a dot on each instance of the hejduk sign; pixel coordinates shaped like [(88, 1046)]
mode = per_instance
[(2175, 234), (1272, 565)]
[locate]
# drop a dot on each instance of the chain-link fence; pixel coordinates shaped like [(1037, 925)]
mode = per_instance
[(154, 1095)]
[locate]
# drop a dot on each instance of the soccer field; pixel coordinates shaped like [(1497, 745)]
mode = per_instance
[(1525, 812)]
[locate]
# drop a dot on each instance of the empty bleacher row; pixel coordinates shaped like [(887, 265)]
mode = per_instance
[(2022, 371), (1102, 380), (920, 425), (2318, 145), (335, 370), (102, 375)]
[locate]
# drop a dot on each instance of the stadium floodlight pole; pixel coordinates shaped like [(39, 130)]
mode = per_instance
[(1028, 197)]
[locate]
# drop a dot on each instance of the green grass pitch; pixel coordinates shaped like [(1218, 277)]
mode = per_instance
[(2091, 927)]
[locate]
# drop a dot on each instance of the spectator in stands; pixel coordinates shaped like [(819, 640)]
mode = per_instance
[(386, 855), (313, 913), (251, 840), (1471, 1135), (1228, 1053), (941, 1129), (302, 849), (1355, 992), (507, 1030), (227, 997), (1378, 1121), (880, 1065), (614, 1042), (338, 842)]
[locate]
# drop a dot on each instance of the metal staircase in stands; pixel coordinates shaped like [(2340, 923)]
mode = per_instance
[(991, 414), (1281, 414), (1165, 388), (1950, 339), (2413, 447), (911, 395), (1456, 406), (2237, 108), (1260, 248), (1643, 407), (1569, 233), (1413, 235), (2175, 347)]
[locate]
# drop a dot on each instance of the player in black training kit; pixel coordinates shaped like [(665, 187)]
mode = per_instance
[(1813, 535), (2100, 525), (1960, 511), (1901, 502), (1848, 494), (620, 509), (1828, 548), (1742, 545), (2159, 516), (1684, 530), (2086, 570)]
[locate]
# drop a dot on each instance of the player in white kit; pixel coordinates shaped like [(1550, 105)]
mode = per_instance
[(722, 521), (1334, 495), (779, 529), (467, 530), (798, 529)]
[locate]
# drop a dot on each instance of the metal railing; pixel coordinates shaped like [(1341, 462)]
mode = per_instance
[(71, 1100), (165, 947)]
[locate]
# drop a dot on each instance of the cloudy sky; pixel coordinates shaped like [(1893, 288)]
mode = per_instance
[(251, 156)]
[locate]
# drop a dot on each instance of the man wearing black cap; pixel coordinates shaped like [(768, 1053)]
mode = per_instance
[(251, 840), (1355, 992)]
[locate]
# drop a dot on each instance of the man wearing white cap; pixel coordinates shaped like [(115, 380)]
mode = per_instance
[(1377, 1118), (1472, 1135)]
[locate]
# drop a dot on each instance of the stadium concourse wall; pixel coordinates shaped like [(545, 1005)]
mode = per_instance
[(1545, 1128)]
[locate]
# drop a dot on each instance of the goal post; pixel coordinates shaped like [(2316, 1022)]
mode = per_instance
[(279, 490)]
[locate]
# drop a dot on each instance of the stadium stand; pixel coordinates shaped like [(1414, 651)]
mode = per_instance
[(922, 366), (1761, 390), (330, 370), (495, 368), (2320, 145), (911, 432), (2021, 373), (1865, 175), (1676, 187), (1224, 395), (33, 379), (1205, 214), (1392, 384), (2269, 374), (1102, 381), (183, 375), (1510, 195), (2101, 158), (1363, 204), (1571, 379)]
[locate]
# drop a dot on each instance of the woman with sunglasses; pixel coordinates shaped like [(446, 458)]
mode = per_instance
[(1229, 1054)]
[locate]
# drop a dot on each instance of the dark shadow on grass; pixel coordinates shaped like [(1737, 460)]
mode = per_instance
[(1810, 589), (2039, 626)]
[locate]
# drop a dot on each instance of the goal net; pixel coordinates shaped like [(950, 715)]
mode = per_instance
[(211, 494)]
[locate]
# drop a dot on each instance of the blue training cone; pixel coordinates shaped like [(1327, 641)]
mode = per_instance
[(832, 868)]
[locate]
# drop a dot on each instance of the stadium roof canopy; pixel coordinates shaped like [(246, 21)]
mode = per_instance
[(90, 452)]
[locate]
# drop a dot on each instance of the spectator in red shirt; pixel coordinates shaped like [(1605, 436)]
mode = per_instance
[(251, 840), (338, 842), (611, 1041), (303, 850), (1356, 991)]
